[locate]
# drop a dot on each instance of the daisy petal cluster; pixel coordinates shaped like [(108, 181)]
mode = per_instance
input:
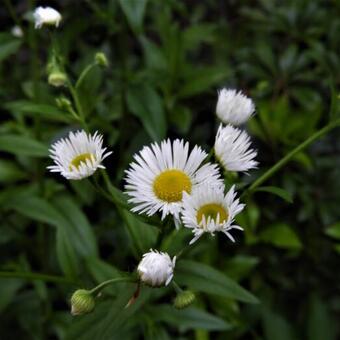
[(79, 155), (209, 210), (232, 149), (46, 16), (161, 173), (234, 107), (156, 268)]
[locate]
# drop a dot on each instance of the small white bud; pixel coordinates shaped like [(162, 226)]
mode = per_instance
[(46, 16), (233, 107), (156, 269), (17, 32)]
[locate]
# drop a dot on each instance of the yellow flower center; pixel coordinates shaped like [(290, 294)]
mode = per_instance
[(170, 184), (81, 158), (212, 210)]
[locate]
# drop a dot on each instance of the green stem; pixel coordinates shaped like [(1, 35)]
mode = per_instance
[(271, 171), (101, 286), (83, 75), (37, 276), (13, 14), (80, 112), (177, 288)]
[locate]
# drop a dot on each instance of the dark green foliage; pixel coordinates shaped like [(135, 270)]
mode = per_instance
[(167, 59)]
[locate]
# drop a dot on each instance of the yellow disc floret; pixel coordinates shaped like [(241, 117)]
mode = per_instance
[(211, 211), (170, 184), (81, 158)]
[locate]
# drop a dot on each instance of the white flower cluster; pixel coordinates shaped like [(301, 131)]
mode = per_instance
[(169, 177)]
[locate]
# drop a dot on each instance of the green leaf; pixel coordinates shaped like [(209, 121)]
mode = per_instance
[(282, 236), (320, 323), (203, 278), (44, 111), (134, 11), (189, 318), (8, 288), (199, 80), (22, 145), (66, 254), (334, 231), (79, 230), (36, 209), (10, 172), (8, 48), (276, 327), (241, 266), (278, 192), (143, 236), (75, 238), (145, 103)]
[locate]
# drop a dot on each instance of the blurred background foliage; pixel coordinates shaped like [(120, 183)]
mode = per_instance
[(166, 61)]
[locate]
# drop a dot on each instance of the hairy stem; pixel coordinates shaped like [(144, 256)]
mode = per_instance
[(283, 161), (101, 286)]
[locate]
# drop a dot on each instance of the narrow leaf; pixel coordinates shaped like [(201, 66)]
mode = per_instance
[(285, 195), (201, 277), (22, 145)]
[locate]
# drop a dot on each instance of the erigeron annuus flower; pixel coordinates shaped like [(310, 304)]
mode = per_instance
[(79, 155), (208, 210), (232, 149), (161, 173), (156, 268), (233, 107), (46, 16)]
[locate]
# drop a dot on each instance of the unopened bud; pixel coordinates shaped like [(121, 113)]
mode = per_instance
[(57, 79), (156, 269), (82, 302), (101, 59), (64, 103), (184, 299)]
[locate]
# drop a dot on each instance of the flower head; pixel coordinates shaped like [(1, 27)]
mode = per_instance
[(46, 16), (156, 268), (208, 210), (232, 148), (161, 173), (233, 107), (79, 155)]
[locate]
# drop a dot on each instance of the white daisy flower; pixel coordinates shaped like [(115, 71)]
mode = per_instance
[(208, 210), (79, 155), (233, 107), (46, 16), (232, 149), (160, 174), (156, 268)]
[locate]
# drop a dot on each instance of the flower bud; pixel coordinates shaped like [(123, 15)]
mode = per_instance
[(82, 302), (234, 107), (156, 269), (57, 79), (64, 103), (101, 59), (184, 299)]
